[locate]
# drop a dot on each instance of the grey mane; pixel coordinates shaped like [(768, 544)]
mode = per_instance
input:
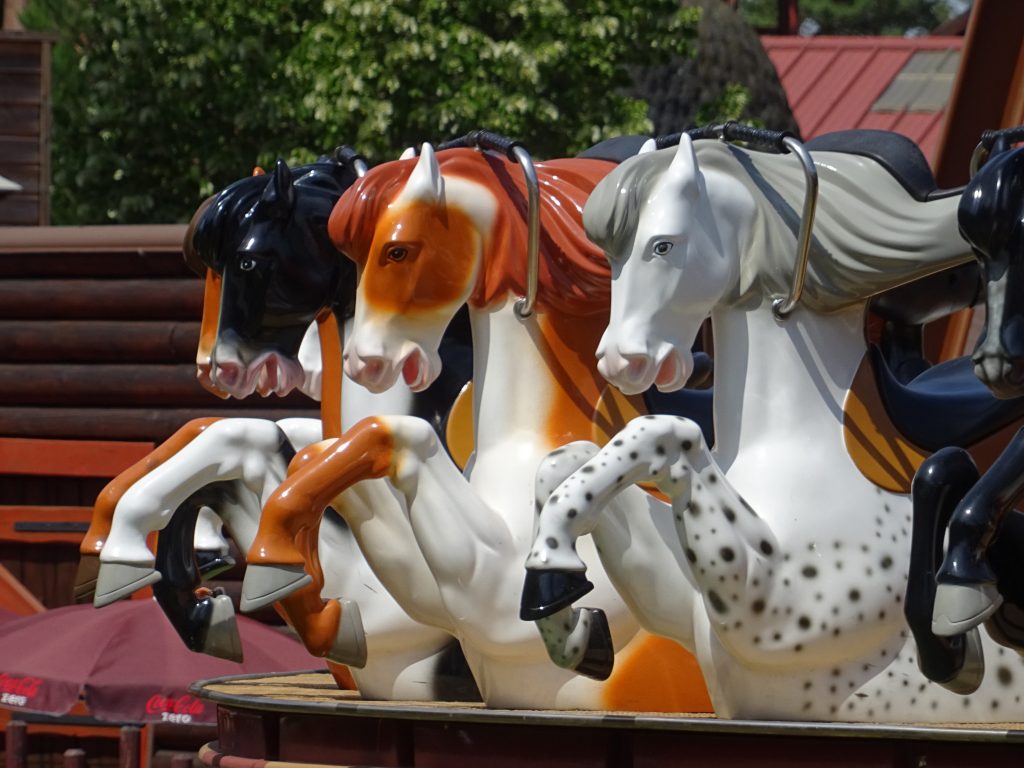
[(870, 235)]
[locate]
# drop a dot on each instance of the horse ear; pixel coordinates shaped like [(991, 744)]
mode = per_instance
[(426, 183), (257, 171), (683, 168), (279, 194), (648, 146), (408, 153)]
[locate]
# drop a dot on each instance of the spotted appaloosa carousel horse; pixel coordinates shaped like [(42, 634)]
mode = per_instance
[(430, 235), (979, 580), (254, 233), (796, 564)]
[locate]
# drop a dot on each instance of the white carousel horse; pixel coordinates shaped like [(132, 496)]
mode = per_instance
[(431, 235), (796, 565)]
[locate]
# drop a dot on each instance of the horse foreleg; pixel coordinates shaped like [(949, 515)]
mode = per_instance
[(939, 485), (248, 450), (724, 542), (106, 503), (289, 527), (967, 593)]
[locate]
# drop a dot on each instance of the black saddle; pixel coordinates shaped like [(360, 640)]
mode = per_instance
[(900, 156), (946, 405), (614, 150)]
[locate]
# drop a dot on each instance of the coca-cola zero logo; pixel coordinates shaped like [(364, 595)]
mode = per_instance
[(180, 709), (16, 691)]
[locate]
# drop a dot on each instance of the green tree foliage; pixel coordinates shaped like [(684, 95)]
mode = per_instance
[(855, 17), (157, 103)]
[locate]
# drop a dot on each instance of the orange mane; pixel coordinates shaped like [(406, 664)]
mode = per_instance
[(574, 275)]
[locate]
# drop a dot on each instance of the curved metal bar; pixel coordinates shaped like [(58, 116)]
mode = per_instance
[(359, 165), (782, 307), (524, 307)]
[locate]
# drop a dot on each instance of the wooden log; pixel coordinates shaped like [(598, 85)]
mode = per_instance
[(166, 299), (98, 341), (66, 385), (16, 744), (122, 423), (85, 265), (129, 747)]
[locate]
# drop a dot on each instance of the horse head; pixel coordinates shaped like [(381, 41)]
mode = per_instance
[(991, 218), (417, 238), (266, 236), (672, 261)]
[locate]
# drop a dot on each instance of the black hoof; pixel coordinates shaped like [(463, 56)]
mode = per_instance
[(213, 563), (599, 658), (1006, 626), (547, 592)]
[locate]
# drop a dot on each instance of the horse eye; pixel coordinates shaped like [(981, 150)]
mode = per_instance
[(662, 247), (397, 253), (247, 264)]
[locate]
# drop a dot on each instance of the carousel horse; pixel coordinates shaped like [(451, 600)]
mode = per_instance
[(237, 462), (978, 580), (430, 235), (795, 562)]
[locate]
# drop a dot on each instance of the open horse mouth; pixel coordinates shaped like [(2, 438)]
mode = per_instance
[(271, 373), (378, 373), (635, 373)]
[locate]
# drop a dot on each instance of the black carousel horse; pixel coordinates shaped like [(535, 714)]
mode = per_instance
[(266, 236), (978, 580)]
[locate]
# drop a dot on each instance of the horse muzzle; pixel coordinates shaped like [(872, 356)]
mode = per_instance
[(634, 373), (378, 373)]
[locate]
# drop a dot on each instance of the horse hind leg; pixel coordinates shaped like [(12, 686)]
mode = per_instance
[(939, 485)]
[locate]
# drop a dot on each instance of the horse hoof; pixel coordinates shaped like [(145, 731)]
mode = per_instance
[(118, 580), (212, 563), (599, 657), (547, 592), (85, 578), (266, 584), (350, 643), (972, 671), (960, 607), (221, 638)]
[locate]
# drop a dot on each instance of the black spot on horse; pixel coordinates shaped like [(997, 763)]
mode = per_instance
[(571, 513), (727, 554), (886, 562), (729, 514), (587, 470), (854, 595), (552, 542), (766, 547), (809, 571), (717, 602), (757, 606), (804, 622), (634, 455), (617, 443), (691, 555), (1004, 675)]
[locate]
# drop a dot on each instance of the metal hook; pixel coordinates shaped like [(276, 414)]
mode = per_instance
[(524, 307), (782, 307), (359, 165)]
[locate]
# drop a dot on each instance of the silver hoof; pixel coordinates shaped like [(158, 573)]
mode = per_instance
[(119, 580), (960, 607), (266, 584), (350, 643), (222, 639)]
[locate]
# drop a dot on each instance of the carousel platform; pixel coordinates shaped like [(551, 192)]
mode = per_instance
[(287, 720)]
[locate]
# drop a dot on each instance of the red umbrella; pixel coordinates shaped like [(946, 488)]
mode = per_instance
[(127, 661)]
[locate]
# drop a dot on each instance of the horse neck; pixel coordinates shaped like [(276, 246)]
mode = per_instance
[(535, 381), (786, 378)]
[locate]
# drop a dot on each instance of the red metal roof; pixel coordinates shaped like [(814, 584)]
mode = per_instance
[(833, 83)]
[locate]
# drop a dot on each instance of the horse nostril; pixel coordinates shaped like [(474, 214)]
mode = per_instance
[(227, 374)]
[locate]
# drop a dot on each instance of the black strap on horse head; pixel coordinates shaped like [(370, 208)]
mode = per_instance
[(778, 142), (992, 143), (516, 152)]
